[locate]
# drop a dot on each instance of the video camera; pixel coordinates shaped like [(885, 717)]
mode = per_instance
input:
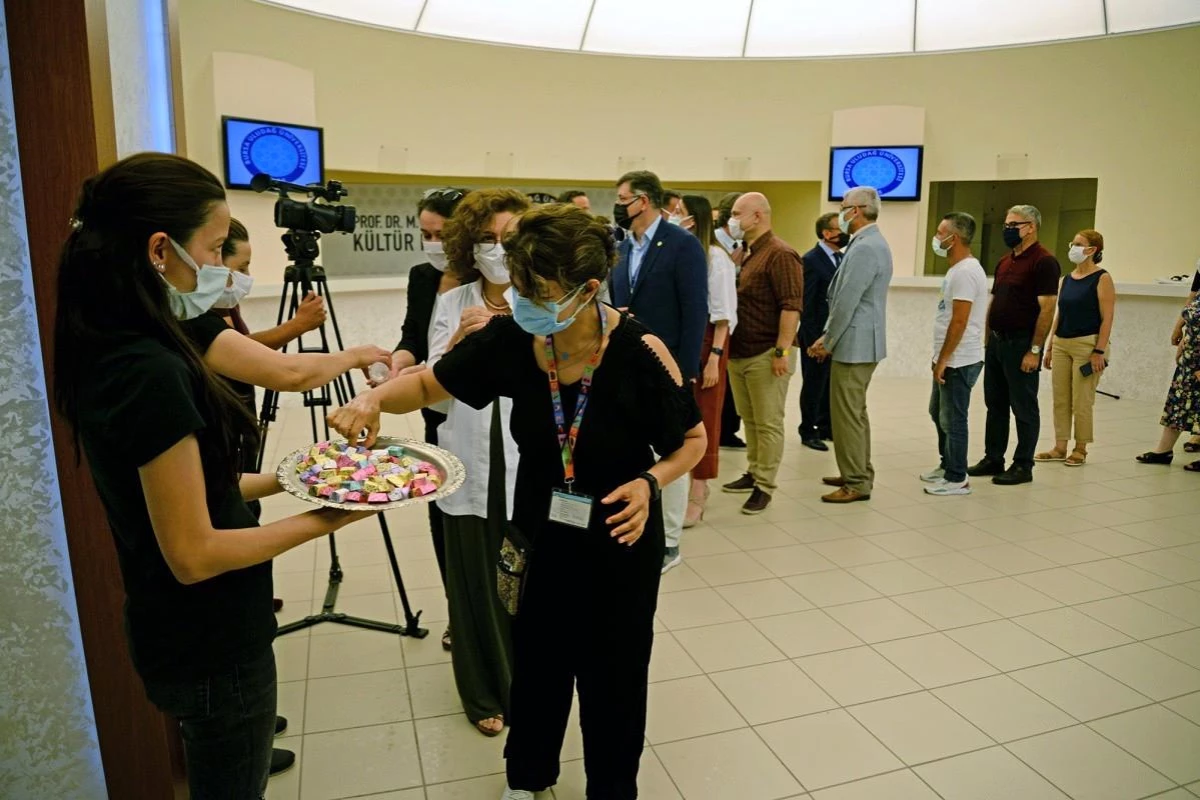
[(311, 216)]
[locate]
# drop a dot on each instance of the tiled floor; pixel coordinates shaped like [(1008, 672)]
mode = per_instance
[(1022, 643)]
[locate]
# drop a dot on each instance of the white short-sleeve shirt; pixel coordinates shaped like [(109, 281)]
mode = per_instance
[(722, 287), (966, 280)]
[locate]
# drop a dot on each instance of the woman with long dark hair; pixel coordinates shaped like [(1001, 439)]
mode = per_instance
[(162, 435), (426, 283), (594, 395), (722, 319)]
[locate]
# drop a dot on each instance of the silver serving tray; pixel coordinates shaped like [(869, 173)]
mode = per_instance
[(449, 464)]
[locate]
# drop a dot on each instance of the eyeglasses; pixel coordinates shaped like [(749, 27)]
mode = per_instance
[(630, 200), (443, 194), (856, 206), (1012, 226)]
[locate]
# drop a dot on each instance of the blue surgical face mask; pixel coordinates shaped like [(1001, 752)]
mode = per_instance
[(542, 320), (210, 285)]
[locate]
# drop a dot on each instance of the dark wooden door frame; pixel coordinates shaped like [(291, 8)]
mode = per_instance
[(64, 118)]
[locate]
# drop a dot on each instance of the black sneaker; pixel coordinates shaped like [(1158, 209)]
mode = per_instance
[(281, 761), (732, 443), (1014, 475), (280, 725), (743, 485), (988, 466), (758, 502)]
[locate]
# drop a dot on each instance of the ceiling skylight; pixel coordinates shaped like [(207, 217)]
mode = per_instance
[(762, 28)]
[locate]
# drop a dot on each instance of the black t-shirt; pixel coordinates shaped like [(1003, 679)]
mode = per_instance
[(1196, 281), (1020, 281), (138, 400), (202, 330), (633, 405), (423, 283)]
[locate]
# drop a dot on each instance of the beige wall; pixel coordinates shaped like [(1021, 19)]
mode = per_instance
[(1113, 109)]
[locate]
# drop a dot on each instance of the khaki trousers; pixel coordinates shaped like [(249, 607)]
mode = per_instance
[(1074, 395), (761, 398), (851, 426)]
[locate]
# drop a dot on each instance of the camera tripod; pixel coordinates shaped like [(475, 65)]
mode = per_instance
[(300, 277)]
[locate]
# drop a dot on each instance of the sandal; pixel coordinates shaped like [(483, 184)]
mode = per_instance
[(1051, 455), (1152, 457), (1192, 467), (1191, 447), (446, 641), (1077, 459), (489, 731)]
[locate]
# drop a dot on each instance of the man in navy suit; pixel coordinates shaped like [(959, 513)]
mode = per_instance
[(820, 265), (661, 278)]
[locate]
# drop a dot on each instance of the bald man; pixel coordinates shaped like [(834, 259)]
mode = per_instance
[(770, 297)]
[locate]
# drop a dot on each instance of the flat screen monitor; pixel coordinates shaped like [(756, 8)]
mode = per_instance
[(894, 171), (291, 153)]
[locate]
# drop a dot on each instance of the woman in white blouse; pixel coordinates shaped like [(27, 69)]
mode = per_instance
[(722, 319), (475, 518)]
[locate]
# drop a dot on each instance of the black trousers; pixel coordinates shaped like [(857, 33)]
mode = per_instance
[(586, 622), (815, 420), (432, 420), (730, 421), (1006, 389)]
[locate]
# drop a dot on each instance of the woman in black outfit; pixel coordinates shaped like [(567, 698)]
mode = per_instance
[(590, 588), (162, 435), (427, 282)]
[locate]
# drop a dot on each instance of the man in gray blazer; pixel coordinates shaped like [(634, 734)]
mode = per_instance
[(856, 339)]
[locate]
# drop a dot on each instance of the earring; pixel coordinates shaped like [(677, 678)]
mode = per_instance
[(160, 266)]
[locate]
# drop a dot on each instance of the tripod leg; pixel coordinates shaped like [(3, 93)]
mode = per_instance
[(323, 288), (412, 622)]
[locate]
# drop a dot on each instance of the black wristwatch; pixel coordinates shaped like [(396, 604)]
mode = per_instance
[(717, 351), (655, 491), (780, 352), (1097, 351)]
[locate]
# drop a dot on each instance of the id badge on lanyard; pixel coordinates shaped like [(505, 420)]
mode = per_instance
[(568, 507)]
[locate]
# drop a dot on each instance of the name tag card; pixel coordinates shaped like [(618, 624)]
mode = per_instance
[(573, 510)]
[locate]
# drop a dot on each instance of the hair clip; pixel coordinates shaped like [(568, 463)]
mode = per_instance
[(76, 223)]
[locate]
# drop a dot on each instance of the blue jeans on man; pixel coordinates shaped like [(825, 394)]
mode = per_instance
[(948, 406)]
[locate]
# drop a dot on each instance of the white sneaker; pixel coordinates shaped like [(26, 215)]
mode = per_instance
[(516, 794), (934, 475), (944, 488), (671, 559)]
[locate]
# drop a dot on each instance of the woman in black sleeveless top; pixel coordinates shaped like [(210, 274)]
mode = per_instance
[(1078, 346), (594, 395)]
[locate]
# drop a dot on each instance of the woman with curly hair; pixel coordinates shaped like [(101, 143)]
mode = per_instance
[(475, 519)]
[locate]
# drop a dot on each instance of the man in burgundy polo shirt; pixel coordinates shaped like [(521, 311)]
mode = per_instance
[(1019, 319)]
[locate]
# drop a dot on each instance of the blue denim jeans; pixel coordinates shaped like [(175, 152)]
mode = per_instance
[(228, 722), (948, 407)]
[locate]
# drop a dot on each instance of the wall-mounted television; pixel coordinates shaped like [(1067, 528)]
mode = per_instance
[(292, 153), (894, 171)]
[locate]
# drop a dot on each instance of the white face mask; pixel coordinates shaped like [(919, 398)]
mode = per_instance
[(728, 242), (1076, 254), (489, 260), (435, 254), (675, 219), (210, 285), (844, 219), (939, 248), (735, 228), (235, 294)]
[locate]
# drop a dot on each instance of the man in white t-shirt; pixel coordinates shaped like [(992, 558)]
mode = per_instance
[(957, 351)]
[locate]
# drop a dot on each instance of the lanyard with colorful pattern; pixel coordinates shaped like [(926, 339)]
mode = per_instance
[(567, 438)]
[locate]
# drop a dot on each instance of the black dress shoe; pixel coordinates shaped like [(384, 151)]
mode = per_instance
[(732, 443), (988, 466), (757, 503), (827, 436), (281, 761), (743, 485), (280, 725), (1014, 475), (1156, 458), (815, 444)]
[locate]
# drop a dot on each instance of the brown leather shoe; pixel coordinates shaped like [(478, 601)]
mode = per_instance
[(836, 480), (845, 495), (743, 485), (757, 502)]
